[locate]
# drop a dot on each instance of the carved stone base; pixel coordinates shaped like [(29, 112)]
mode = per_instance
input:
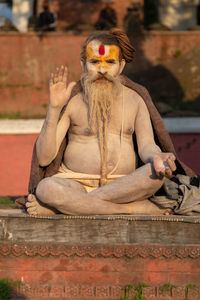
[(104, 292), (63, 257)]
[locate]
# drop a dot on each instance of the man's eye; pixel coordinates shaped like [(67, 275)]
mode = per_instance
[(94, 61), (110, 61)]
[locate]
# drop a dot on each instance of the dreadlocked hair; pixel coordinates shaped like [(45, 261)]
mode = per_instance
[(124, 44), (114, 37)]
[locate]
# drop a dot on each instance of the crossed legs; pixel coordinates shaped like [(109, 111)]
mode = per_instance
[(125, 195)]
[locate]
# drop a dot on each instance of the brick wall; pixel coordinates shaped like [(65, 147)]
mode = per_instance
[(27, 60)]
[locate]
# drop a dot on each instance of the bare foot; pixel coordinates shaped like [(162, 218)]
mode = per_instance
[(36, 207), (146, 207)]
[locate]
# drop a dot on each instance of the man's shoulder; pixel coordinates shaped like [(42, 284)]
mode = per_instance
[(132, 95), (76, 97), (75, 102), (134, 86)]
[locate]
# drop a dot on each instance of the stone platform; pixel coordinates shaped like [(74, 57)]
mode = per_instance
[(94, 257)]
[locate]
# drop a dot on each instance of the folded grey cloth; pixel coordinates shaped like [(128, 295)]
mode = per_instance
[(181, 193)]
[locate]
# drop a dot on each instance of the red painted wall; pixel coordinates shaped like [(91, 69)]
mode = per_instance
[(187, 147), (15, 160)]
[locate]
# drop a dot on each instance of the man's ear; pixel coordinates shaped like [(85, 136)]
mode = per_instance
[(122, 65)]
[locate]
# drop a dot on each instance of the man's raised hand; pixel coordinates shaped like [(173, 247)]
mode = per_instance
[(164, 164), (59, 91)]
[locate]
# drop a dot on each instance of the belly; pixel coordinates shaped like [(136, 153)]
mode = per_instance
[(83, 155)]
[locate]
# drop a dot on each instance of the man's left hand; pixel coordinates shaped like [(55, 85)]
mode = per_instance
[(164, 164)]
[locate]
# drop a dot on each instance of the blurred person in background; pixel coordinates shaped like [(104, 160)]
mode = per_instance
[(107, 17), (132, 21), (46, 19)]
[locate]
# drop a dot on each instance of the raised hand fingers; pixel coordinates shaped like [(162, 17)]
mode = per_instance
[(51, 79), (65, 75), (55, 77), (60, 74)]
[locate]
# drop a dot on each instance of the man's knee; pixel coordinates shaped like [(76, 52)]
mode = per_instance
[(155, 186), (151, 183), (49, 188), (45, 189)]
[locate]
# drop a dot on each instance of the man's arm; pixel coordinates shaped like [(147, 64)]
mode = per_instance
[(163, 163), (52, 132)]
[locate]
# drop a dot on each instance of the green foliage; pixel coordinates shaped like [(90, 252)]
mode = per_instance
[(177, 53), (19, 115), (128, 288), (38, 88), (14, 115), (189, 286), (166, 287), (7, 201), (8, 85), (44, 105), (137, 288), (5, 286), (4, 289)]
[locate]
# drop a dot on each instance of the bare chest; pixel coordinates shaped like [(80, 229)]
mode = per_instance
[(122, 121)]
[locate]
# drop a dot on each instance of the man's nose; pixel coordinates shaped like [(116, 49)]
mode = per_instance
[(102, 70)]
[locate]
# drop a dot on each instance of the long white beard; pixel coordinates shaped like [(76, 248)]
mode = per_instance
[(100, 94)]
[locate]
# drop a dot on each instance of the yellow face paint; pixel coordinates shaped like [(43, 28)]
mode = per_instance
[(102, 53)]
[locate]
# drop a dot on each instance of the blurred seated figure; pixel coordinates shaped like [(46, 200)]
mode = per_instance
[(107, 17), (132, 21), (46, 19)]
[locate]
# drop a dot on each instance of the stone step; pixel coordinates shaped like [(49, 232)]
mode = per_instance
[(16, 225)]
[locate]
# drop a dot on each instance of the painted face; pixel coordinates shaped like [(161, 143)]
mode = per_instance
[(102, 59)]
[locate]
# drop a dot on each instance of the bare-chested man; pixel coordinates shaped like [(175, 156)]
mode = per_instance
[(98, 174)]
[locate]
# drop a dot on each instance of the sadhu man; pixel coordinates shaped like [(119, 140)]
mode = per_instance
[(98, 172)]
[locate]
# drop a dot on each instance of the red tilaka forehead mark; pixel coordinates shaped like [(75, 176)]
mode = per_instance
[(101, 50)]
